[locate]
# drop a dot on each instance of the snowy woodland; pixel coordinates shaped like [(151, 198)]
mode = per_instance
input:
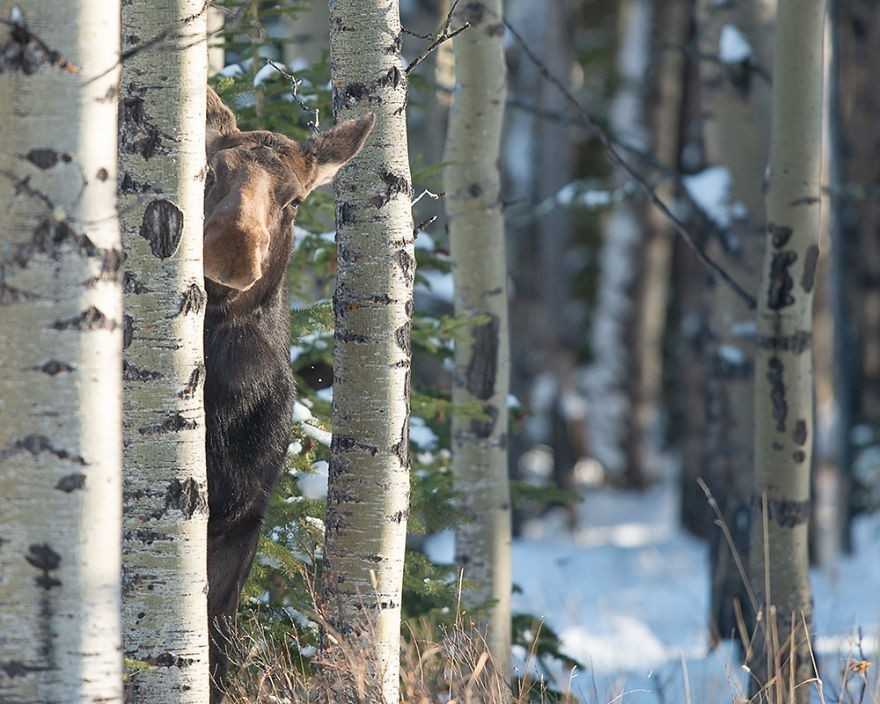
[(454, 351)]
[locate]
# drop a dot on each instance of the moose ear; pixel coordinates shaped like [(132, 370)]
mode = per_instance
[(335, 148)]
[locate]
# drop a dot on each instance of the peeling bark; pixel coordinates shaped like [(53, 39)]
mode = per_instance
[(61, 316), (162, 163), (482, 352), (368, 495)]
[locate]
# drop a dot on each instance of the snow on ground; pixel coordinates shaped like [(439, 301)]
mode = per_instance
[(628, 595)]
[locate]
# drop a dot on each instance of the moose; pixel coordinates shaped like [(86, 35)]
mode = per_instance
[(255, 182)]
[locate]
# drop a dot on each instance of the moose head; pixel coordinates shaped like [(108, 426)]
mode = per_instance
[(255, 182)]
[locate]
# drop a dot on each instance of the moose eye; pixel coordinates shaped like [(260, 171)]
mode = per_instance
[(295, 203)]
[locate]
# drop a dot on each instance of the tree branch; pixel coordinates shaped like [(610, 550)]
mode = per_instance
[(617, 158), (444, 36)]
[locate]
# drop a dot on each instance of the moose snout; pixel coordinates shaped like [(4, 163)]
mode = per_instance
[(235, 251)]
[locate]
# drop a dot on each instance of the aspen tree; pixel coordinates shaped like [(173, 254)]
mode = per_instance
[(482, 351), (61, 354), (161, 185), (784, 370), (368, 499)]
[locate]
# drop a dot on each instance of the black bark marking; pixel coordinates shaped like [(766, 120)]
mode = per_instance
[(53, 238), (15, 668), (89, 320), (345, 443), (127, 331), (394, 185), (46, 560), (806, 200), (351, 337), (131, 284), (194, 383), (102, 174), (169, 660), (407, 264), (185, 497), (799, 456), (53, 367), (43, 158), (130, 185), (483, 367), (36, 444), (132, 373), (781, 282), (402, 336), (24, 51), (797, 343), (800, 432), (785, 513), (776, 378), (192, 300), (174, 424), (138, 135), (483, 427), (71, 482), (344, 215), (162, 227), (809, 277), (475, 190), (401, 447), (779, 235)]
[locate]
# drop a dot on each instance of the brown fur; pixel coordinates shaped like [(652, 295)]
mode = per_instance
[(255, 181)]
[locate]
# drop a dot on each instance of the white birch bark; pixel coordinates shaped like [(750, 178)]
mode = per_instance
[(608, 377), (60, 351), (368, 499), (162, 172), (482, 352), (784, 370), (735, 97)]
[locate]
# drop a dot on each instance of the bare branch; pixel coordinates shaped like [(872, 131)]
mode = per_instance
[(616, 157), (443, 36)]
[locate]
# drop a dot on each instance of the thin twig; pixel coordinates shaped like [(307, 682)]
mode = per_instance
[(295, 83), (616, 157), (444, 36)]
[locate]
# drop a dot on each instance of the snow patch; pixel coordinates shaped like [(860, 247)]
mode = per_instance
[(710, 190), (733, 47)]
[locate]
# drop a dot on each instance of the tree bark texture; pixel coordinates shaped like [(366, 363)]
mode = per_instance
[(654, 262), (736, 108), (610, 384), (61, 354), (161, 184), (482, 351), (784, 371), (368, 499), (859, 47)]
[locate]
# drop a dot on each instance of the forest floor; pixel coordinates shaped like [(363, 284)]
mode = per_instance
[(628, 595)]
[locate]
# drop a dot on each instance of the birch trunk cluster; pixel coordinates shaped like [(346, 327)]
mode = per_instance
[(368, 497), (735, 95), (161, 183), (784, 379), (482, 351), (60, 352)]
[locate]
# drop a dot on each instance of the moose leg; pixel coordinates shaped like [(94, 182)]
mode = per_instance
[(230, 554)]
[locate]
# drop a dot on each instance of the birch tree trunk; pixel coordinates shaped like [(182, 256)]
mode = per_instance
[(671, 27), (60, 351), (368, 498), (482, 352), (784, 371), (162, 172), (736, 103), (609, 378)]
